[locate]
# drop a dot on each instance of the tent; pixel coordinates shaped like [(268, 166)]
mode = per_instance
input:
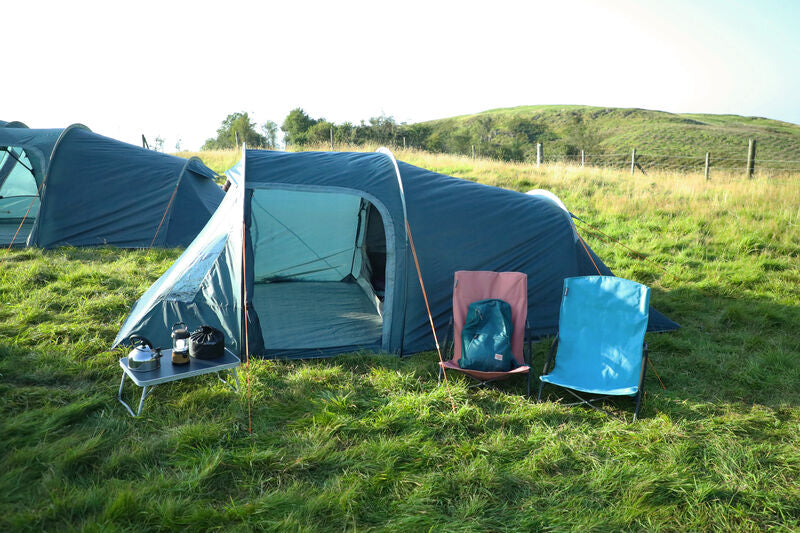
[(321, 239), (74, 187), (12, 124)]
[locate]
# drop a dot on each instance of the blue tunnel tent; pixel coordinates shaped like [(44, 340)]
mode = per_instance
[(12, 124), (73, 187), (327, 261)]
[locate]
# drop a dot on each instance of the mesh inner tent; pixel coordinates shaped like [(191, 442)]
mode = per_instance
[(313, 281), (19, 198)]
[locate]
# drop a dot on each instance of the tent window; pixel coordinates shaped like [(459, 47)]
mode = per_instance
[(18, 195), (316, 285)]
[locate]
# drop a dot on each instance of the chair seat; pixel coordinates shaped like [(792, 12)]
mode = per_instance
[(485, 376), (574, 383)]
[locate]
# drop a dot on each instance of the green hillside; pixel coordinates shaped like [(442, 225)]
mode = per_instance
[(669, 139)]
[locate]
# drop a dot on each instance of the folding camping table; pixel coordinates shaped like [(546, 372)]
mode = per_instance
[(168, 372)]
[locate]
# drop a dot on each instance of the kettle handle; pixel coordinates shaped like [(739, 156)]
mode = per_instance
[(144, 340)]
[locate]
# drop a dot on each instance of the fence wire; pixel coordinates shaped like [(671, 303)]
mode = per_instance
[(659, 161)]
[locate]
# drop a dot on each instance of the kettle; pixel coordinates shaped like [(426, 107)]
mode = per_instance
[(143, 357)]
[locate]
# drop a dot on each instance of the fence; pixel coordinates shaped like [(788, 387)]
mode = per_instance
[(729, 162)]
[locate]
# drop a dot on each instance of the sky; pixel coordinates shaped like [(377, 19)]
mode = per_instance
[(176, 69)]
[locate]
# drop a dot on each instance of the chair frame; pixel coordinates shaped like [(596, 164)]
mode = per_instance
[(588, 401), (527, 350)]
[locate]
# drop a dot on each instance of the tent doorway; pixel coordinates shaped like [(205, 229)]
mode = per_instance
[(319, 270), (19, 196)]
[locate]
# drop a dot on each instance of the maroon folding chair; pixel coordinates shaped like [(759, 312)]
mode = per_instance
[(472, 286)]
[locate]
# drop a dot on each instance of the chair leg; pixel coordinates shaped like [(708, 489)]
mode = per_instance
[(529, 384), (638, 404), (550, 355), (640, 393)]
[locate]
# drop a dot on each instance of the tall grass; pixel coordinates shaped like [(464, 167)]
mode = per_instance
[(366, 442)]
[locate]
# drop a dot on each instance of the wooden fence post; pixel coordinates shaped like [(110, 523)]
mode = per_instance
[(633, 161), (473, 152), (751, 158), (404, 142), (538, 154), (237, 139), (583, 158), (708, 164), (331, 139)]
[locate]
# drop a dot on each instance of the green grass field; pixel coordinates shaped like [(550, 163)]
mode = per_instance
[(366, 442)]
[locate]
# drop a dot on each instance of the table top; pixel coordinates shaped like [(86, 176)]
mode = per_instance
[(169, 372)]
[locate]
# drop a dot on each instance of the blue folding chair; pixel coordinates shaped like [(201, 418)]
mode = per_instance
[(600, 346)]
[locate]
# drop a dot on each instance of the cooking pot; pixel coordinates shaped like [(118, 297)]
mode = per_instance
[(143, 357), (206, 343)]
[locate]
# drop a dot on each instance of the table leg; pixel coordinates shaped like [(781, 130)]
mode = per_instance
[(226, 382), (145, 390), (119, 396)]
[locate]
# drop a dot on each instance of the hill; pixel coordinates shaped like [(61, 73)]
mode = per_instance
[(666, 138)]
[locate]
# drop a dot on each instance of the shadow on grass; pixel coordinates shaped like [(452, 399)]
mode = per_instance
[(110, 254), (730, 354)]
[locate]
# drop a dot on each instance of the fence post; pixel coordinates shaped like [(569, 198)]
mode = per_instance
[(538, 154), (583, 158), (708, 164), (144, 142), (633, 161), (331, 139), (404, 142), (473, 152), (751, 158)]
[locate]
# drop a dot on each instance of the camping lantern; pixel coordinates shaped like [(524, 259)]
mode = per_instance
[(180, 344)]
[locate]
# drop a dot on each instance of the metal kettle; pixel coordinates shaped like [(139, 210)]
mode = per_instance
[(143, 357)]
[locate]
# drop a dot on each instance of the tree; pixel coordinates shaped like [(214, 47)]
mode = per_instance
[(296, 125), (382, 129), (270, 130), (158, 145), (319, 133), (235, 123)]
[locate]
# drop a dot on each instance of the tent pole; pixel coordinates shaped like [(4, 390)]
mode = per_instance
[(385, 151), (245, 343)]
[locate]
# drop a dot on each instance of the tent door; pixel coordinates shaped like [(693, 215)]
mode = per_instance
[(19, 198), (319, 283)]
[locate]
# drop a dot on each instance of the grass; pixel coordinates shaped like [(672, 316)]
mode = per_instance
[(366, 442), (217, 160)]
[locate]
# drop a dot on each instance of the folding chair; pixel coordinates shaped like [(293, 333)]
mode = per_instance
[(600, 346), (472, 286)]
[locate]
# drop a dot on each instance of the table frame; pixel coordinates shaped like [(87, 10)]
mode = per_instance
[(169, 372)]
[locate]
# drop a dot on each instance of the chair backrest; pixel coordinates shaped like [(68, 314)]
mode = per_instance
[(601, 330), (471, 286)]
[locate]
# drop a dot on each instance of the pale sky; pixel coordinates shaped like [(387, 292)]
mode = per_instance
[(177, 69)]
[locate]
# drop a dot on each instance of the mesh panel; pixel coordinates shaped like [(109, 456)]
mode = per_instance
[(18, 189), (304, 236)]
